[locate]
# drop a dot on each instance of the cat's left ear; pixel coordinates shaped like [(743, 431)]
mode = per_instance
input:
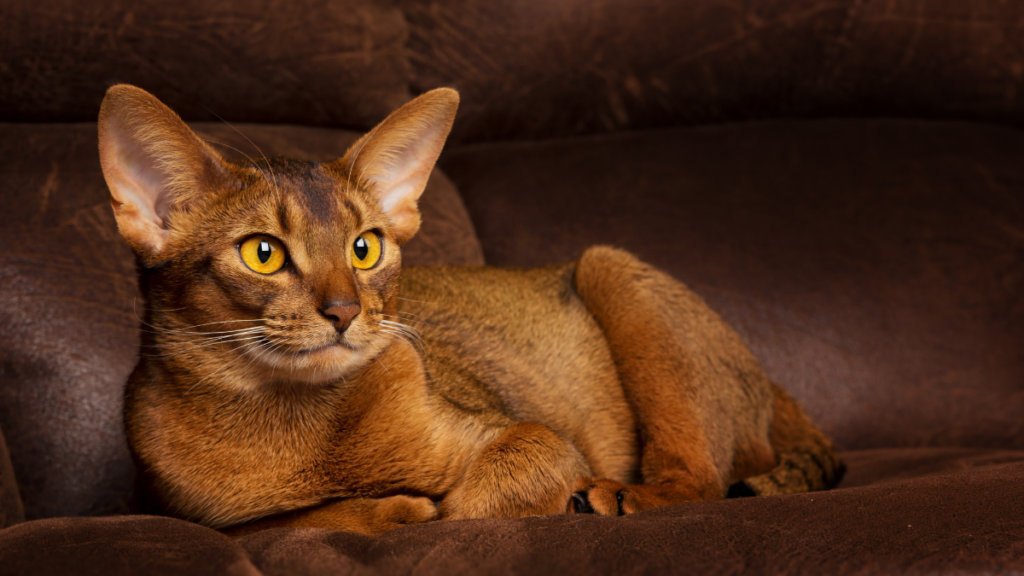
[(154, 166), (394, 160)]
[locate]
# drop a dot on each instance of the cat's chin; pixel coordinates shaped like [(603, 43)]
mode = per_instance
[(321, 365)]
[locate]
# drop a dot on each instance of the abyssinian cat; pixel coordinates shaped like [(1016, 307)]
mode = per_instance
[(302, 377)]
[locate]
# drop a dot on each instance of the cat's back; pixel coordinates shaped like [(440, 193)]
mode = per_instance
[(521, 344)]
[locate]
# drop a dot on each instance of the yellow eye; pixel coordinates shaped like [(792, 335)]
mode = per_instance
[(263, 254), (366, 250)]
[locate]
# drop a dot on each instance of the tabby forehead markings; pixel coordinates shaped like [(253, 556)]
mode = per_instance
[(356, 214), (282, 217), (309, 183)]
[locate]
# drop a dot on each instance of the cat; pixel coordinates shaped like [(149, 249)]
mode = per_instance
[(302, 377)]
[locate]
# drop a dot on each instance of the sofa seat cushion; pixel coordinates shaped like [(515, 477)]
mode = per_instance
[(906, 511), (875, 267), (68, 327)]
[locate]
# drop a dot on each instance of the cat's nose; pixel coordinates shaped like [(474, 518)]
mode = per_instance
[(340, 313)]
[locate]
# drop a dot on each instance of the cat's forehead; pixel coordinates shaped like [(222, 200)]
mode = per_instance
[(308, 184), (307, 192)]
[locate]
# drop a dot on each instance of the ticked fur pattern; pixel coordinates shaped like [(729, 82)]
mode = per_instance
[(597, 386)]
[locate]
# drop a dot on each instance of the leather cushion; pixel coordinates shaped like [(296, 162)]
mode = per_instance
[(874, 267), (69, 332), (338, 63), (536, 69), (908, 511), (526, 69)]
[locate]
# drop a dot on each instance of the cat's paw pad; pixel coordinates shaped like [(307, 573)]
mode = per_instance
[(605, 498)]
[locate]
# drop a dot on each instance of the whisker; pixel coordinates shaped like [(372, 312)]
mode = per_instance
[(184, 329), (382, 364), (222, 368), (177, 352), (418, 301), (412, 338), (200, 342), (254, 163), (406, 312), (166, 309), (271, 168), (368, 164), (415, 342), (264, 349), (408, 319), (398, 326), (277, 342), (352, 162), (209, 335)]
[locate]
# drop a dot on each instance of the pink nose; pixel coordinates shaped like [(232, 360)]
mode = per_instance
[(341, 314)]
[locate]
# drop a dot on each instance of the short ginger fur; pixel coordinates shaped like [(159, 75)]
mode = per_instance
[(600, 385)]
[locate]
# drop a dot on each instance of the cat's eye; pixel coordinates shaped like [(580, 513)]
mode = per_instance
[(366, 250), (263, 254)]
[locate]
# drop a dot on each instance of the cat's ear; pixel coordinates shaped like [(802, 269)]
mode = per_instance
[(153, 164), (394, 160)]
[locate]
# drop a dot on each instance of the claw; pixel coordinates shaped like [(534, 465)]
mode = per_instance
[(580, 503)]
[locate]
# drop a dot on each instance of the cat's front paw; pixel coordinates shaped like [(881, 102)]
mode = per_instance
[(610, 498), (397, 511)]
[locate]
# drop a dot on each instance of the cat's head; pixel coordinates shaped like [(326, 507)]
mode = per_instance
[(286, 267)]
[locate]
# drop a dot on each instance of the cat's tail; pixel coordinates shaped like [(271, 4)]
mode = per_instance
[(806, 459)]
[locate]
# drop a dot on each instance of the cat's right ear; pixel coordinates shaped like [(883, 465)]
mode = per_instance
[(393, 161), (153, 164)]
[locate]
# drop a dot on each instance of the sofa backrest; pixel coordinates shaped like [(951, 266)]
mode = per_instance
[(526, 69)]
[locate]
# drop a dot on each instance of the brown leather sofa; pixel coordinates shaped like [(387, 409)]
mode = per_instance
[(842, 180)]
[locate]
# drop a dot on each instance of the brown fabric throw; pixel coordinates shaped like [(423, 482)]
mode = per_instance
[(873, 266), (67, 282), (337, 63), (963, 511), (11, 510)]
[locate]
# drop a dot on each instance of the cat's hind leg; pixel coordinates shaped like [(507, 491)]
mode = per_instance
[(702, 404), (806, 460), (707, 414)]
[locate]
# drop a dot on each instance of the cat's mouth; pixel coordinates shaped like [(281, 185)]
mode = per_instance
[(321, 363), (322, 348)]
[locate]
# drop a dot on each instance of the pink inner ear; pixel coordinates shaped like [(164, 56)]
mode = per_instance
[(397, 156), (404, 186), (136, 178), (151, 161), (399, 180)]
